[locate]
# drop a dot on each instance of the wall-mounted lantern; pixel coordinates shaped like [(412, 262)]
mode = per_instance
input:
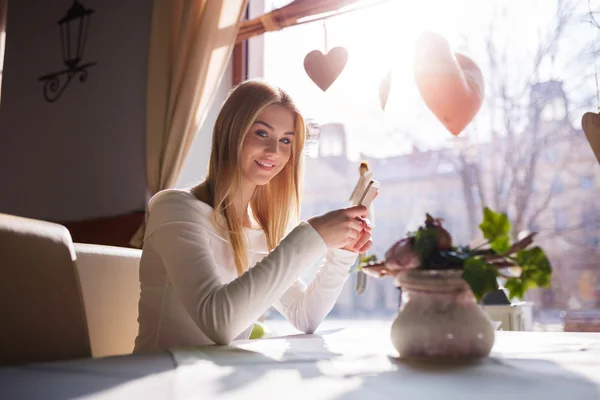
[(74, 27)]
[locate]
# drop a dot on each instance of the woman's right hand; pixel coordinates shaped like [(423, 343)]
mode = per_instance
[(339, 228)]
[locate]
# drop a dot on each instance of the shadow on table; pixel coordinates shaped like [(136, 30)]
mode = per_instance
[(489, 379), (78, 378), (381, 376), (299, 355)]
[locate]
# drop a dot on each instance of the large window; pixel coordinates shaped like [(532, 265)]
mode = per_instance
[(524, 153)]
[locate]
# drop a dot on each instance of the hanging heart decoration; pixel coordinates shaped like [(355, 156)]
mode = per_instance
[(324, 69), (384, 89), (450, 84), (591, 127)]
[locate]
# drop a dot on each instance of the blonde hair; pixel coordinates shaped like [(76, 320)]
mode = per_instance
[(272, 204)]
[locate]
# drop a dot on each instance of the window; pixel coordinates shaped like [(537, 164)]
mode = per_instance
[(557, 185), (550, 155), (555, 110), (590, 218), (332, 140), (560, 220), (587, 181), (591, 242), (420, 162)]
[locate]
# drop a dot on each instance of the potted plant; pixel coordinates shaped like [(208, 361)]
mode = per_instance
[(442, 284)]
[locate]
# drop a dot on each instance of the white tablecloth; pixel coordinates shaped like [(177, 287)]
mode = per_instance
[(357, 363), (362, 364)]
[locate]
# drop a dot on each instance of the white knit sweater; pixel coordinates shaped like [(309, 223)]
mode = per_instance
[(191, 294)]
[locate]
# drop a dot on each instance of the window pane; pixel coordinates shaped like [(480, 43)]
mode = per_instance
[(524, 153)]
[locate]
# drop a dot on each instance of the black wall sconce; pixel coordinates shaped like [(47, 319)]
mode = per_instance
[(73, 34)]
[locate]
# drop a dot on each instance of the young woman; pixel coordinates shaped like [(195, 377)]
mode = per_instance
[(197, 286)]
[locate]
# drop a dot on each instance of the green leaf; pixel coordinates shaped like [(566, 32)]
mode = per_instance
[(367, 259), (362, 262), (501, 244), (494, 225), (536, 268), (480, 276), (535, 272), (425, 245), (516, 288)]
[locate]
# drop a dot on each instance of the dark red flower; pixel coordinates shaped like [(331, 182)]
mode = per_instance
[(444, 241), (401, 257)]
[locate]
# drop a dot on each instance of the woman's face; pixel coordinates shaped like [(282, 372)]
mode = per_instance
[(267, 145)]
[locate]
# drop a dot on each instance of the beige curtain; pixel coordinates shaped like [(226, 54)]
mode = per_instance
[(190, 45), (3, 7)]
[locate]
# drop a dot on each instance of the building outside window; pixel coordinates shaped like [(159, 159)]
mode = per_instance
[(525, 150)]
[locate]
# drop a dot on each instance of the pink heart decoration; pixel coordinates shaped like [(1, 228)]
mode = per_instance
[(324, 69), (591, 127), (384, 89), (450, 84)]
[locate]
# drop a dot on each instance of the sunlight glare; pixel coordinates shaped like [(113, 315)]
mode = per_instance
[(382, 38)]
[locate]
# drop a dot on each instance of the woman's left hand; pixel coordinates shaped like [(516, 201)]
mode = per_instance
[(364, 242)]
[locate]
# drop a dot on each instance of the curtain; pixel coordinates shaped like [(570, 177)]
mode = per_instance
[(191, 42), (2, 37)]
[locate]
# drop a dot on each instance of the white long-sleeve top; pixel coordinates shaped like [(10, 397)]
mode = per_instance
[(191, 294)]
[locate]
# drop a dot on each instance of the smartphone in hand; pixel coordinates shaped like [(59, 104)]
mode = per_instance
[(365, 200), (369, 193)]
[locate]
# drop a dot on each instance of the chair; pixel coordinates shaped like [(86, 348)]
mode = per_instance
[(111, 290), (41, 304)]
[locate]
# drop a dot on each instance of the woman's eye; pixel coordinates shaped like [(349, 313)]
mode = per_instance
[(261, 133), (286, 141)]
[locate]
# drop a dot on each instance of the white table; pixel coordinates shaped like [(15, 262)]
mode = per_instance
[(357, 363)]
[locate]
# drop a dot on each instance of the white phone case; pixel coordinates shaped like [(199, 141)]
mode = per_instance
[(369, 193)]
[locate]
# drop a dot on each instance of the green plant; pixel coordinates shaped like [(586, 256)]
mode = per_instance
[(519, 265)]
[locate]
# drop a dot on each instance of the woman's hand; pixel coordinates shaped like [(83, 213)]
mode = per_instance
[(345, 228), (364, 242)]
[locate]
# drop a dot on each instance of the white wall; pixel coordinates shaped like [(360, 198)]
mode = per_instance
[(82, 156)]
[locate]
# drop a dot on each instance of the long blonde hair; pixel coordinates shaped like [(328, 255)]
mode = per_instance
[(273, 204)]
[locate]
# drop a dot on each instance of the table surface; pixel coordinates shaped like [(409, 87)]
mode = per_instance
[(351, 363)]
